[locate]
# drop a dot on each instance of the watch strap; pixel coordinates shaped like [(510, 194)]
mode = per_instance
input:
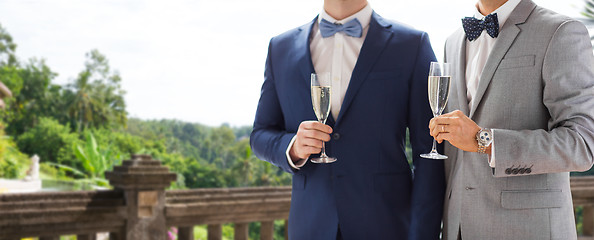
[(482, 149)]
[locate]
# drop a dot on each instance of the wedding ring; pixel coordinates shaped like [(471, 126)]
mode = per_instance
[(442, 128)]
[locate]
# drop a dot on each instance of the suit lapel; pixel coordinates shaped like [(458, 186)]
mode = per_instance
[(508, 34), (460, 68), (375, 42), (459, 58), (304, 53)]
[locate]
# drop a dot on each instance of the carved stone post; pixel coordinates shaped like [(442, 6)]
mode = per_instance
[(143, 181)]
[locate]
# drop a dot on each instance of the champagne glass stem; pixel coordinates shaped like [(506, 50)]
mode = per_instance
[(323, 155), (434, 148)]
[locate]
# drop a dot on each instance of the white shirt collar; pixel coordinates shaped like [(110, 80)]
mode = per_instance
[(503, 12), (364, 16)]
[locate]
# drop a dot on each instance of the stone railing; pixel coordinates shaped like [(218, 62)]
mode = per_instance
[(186, 208), (140, 208)]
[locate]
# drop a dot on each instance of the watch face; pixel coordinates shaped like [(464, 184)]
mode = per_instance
[(485, 137)]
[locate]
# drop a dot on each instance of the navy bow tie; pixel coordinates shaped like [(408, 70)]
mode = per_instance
[(474, 27), (352, 28)]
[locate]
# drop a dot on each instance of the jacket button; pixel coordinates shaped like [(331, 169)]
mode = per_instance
[(336, 136), (515, 171), (522, 170), (508, 171), (528, 170)]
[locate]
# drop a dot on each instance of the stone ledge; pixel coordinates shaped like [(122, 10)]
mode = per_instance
[(47, 229)]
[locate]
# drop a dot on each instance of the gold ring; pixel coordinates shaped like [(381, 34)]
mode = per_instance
[(442, 128)]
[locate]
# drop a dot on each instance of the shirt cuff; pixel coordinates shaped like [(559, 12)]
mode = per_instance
[(297, 164), (492, 155)]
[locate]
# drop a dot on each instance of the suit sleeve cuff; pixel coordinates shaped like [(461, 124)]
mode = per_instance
[(294, 165)]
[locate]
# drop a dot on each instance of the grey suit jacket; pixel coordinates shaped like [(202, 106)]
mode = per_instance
[(537, 94)]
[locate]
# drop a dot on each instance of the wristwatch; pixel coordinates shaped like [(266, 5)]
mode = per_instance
[(484, 137)]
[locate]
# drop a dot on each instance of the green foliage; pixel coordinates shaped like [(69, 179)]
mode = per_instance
[(588, 10), (30, 99), (13, 163), (208, 156), (95, 161), (51, 141), (579, 219)]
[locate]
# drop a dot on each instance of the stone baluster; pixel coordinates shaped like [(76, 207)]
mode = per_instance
[(92, 236), (267, 230), (286, 228), (49, 238), (241, 231), (185, 233), (215, 232)]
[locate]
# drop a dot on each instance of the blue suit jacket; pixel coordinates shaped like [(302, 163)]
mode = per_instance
[(370, 190)]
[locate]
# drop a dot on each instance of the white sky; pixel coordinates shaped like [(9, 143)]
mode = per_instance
[(197, 61)]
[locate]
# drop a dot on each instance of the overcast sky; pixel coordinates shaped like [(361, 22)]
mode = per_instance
[(196, 61)]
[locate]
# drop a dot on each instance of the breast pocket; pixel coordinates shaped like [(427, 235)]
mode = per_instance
[(517, 62)]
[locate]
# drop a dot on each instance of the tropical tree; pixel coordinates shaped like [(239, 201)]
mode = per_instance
[(98, 98), (7, 49)]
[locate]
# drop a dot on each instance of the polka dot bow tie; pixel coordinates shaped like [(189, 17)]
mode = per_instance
[(474, 27), (352, 28)]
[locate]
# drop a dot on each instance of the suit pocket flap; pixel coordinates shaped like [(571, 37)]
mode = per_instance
[(516, 62), (532, 199)]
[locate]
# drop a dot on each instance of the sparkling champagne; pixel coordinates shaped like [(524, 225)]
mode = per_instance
[(439, 91), (320, 97)]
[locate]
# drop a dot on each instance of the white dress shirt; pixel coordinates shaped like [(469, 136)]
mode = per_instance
[(336, 55), (477, 53)]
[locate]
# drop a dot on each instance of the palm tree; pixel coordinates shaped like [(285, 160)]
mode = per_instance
[(98, 98)]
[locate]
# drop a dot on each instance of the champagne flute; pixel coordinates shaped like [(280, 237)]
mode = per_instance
[(440, 75), (321, 85)]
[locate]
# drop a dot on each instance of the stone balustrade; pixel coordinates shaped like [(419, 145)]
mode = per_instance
[(186, 208), (140, 208)]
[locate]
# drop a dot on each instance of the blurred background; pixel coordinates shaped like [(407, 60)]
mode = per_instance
[(196, 61)]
